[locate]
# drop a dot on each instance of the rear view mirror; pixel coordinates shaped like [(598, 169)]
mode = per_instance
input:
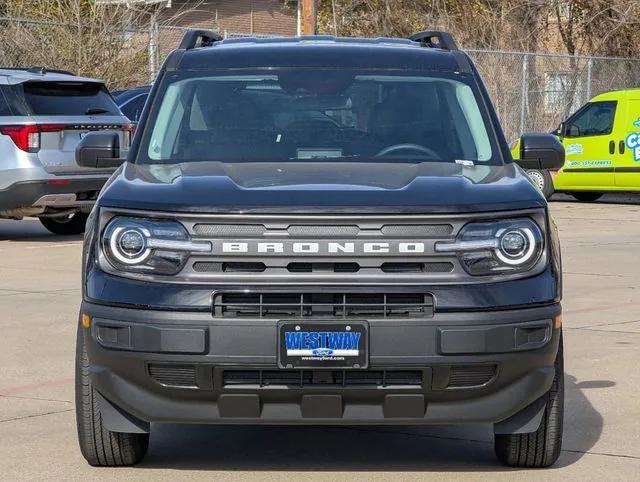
[(99, 150), (541, 151)]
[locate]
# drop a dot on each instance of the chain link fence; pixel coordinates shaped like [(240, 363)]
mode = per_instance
[(531, 91), (534, 92)]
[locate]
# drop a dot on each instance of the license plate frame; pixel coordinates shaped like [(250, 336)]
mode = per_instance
[(335, 346)]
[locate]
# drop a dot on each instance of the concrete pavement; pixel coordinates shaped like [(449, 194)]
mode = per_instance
[(39, 299)]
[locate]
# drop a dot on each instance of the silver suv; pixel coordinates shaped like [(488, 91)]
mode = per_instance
[(43, 116)]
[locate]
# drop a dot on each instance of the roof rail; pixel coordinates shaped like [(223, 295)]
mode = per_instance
[(204, 38), (444, 40)]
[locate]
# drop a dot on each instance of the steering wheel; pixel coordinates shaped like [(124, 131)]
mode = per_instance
[(408, 147)]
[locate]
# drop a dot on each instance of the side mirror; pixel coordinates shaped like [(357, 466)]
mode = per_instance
[(541, 151), (559, 131), (99, 150)]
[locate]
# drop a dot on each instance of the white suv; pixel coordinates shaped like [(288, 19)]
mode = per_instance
[(43, 116)]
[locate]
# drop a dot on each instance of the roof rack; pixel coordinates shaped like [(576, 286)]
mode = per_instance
[(443, 40), (199, 38)]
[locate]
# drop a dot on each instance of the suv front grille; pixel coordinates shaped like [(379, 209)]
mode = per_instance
[(315, 231), (319, 250), (319, 267), (322, 305), (331, 378)]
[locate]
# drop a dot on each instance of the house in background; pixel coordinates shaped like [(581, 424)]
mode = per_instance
[(258, 17), (169, 19)]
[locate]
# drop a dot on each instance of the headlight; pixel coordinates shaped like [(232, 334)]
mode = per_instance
[(148, 245), (507, 246)]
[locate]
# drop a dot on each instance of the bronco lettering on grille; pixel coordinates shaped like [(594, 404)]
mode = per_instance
[(319, 248)]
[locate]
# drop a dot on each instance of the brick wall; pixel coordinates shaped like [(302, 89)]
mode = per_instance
[(237, 16)]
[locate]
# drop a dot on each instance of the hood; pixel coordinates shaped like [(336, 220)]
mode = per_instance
[(321, 187)]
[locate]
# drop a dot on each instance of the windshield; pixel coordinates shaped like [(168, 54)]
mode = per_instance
[(317, 114)]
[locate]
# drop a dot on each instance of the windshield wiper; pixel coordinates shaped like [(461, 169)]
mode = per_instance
[(96, 110)]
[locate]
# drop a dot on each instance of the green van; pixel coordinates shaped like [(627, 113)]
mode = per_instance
[(602, 145)]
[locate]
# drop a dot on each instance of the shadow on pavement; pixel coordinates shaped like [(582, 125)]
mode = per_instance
[(317, 449), (582, 422), (30, 230), (626, 198), (330, 449)]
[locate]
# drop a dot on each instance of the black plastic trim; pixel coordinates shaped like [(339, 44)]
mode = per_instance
[(25, 193), (445, 39), (585, 170), (205, 38)]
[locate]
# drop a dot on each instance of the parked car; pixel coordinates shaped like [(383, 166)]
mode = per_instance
[(320, 231), (132, 101), (602, 144), (43, 116)]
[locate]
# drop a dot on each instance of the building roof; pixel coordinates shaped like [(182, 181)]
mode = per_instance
[(266, 17)]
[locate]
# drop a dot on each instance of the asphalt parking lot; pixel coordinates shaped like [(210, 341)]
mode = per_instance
[(39, 299)]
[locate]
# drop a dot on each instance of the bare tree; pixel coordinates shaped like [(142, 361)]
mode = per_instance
[(606, 27), (105, 41), (602, 27)]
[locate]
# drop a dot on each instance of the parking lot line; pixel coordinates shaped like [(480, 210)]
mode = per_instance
[(33, 386)]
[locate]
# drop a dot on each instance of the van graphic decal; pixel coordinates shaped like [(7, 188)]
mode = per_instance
[(573, 149), (589, 163), (633, 143)]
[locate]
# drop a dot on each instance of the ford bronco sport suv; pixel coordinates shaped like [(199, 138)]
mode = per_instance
[(43, 116), (320, 230)]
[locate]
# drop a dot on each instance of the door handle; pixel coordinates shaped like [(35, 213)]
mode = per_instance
[(621, 147), (612, 147)]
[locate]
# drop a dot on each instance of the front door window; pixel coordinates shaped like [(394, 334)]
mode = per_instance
[(594, 119)]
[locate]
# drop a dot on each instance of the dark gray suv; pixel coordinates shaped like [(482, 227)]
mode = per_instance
[(320, 231)]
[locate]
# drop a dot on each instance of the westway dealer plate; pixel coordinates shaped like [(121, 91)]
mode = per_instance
[(323, 344)]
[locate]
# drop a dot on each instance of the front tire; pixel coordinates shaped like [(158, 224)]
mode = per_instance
[(587, 196), (100, 446), (542, 447), (543, 181), (72, 224)]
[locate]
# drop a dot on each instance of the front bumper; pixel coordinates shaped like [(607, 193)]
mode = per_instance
[(166, 366)]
